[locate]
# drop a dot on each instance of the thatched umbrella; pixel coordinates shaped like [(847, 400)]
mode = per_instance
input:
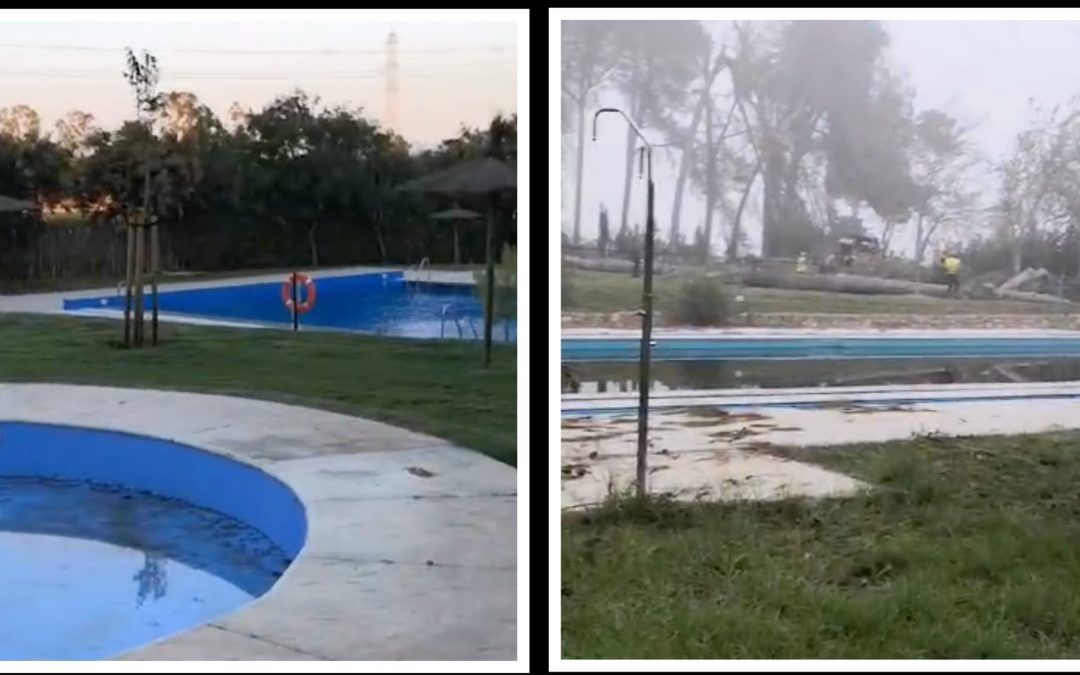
[(11, 205), (486, 176), (455, 215)]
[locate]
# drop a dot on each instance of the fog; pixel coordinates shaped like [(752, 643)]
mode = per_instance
[(989, 76)]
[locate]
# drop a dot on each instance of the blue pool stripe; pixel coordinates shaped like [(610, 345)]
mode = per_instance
[(675, 349)]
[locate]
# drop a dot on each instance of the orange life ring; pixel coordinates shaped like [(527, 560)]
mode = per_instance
[(308, 302)]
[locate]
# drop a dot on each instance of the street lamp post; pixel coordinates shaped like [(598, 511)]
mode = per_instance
[(646, 307)]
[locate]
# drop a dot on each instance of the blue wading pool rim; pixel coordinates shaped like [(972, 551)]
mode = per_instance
[(809, 347), (166, 468)]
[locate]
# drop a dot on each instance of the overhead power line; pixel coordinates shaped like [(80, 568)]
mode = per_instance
[(263, 52), (219, 75)]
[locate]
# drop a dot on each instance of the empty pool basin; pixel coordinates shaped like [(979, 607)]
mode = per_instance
[(111, 541), (735, 348)]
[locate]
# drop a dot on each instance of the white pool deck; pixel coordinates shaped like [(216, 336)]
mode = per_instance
[(696, 452), (397, 566), (53, 303)]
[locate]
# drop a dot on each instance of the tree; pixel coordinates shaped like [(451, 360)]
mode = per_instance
[(604, 239), (657, 62), (802, 86), (941, 162), (712, 62), (587, 63), (142, 75), (20, 122), (74, 130)]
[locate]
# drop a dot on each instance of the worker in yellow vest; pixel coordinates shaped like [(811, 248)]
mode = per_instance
[(951, 264)]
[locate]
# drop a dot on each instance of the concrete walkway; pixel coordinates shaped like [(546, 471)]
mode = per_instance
[(397, 566), (715, 445)]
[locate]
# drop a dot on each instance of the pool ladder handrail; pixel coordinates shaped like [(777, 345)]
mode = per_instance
[(442, 322), (424, 264)]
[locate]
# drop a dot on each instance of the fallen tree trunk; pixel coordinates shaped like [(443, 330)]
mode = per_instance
[(1018, 280), (1027, 296), (607, 264), (840, 283)]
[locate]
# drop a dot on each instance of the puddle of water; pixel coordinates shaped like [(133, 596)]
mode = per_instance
[(89, 572), (607, 377)]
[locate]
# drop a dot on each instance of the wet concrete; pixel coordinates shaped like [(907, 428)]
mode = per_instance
[(716, 445)]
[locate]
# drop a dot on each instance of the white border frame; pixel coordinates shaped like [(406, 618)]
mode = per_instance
[(555, 17), (521, 18)]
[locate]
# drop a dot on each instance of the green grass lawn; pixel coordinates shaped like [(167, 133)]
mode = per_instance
[(610, 292), (969, 548), (430, 386)]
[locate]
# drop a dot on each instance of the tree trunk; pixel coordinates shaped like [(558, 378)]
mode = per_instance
[(380, 242), (688, 157), (736, 228), (129, 277), (579, 176), (841, 283), (630, 137), (140, 265), (628, 176), (919, 245), (710, 179), (313, 245), (155, 269)]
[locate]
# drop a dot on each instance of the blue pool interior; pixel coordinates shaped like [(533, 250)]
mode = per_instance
[(110, 541), (379, 303)]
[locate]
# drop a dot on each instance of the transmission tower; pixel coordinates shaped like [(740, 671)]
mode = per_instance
[(390, 117)]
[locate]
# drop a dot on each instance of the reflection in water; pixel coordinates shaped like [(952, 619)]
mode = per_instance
[(151, 578), (600, 377), (69, 553)]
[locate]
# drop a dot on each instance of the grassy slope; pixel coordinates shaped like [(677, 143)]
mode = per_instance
[(968, 549), (429, 386)]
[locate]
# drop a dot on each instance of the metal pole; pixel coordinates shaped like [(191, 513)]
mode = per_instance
[(646, 311), (646, 340), (295, 307), (489, 303)]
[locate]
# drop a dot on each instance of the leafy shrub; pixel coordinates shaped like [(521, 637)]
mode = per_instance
[(700, 301)]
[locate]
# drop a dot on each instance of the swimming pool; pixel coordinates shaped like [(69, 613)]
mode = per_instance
[(381, 303), (737, 346), (110, 541)]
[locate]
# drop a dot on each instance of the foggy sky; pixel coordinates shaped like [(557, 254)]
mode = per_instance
[(982, 72)]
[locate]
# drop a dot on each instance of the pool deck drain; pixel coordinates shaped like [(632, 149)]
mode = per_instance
[(411, 551), (717, 445)]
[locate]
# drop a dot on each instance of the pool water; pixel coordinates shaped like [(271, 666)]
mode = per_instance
[(381, 304), (90, 571)]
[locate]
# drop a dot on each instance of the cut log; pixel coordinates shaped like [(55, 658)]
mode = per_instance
[(840, 283), (1027, 296), (1018, 280), (606, 264)]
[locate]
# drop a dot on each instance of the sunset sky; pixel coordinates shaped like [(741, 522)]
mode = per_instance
[(449, 74)]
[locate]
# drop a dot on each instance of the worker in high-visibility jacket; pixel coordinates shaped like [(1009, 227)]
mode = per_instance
[(951, 264), (802, 263)]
